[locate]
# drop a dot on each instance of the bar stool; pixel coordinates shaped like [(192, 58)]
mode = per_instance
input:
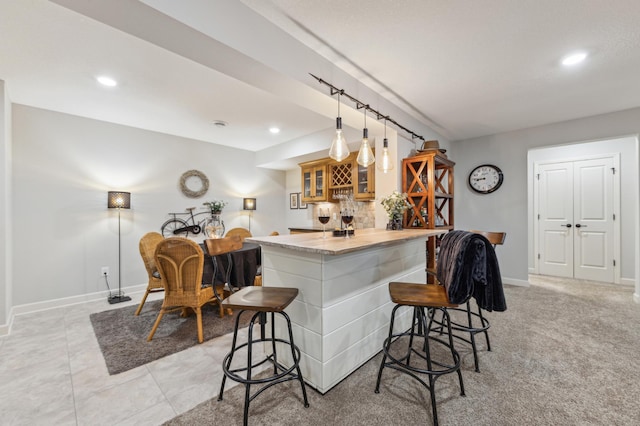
[(260, 300), (475, 323), (420, 296)]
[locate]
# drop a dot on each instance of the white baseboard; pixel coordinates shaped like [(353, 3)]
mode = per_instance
[(628, 281), (5, 329), (29, 308), (515, 281), (636, 297)]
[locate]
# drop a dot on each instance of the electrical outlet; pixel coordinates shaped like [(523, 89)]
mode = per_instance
[(105, 270)]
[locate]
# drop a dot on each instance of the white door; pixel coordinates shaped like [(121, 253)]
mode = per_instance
[(593, 220), (555, 241), (576, 219)]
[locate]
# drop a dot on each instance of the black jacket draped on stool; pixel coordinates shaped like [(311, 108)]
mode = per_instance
[(467, 266)]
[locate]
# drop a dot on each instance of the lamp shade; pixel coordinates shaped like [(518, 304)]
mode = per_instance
[(249, 203), (119, 200)]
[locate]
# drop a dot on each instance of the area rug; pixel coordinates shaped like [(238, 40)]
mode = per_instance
[(122, 336)]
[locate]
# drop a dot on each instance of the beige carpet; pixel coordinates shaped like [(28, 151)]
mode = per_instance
[(564, 353)]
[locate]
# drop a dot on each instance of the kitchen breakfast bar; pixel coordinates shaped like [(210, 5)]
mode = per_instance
[(341, 315)]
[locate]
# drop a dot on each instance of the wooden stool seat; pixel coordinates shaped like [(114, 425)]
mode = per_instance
[(263, 299), (426, 295)]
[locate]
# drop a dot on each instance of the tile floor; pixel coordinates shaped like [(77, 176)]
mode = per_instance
[(52, 373)]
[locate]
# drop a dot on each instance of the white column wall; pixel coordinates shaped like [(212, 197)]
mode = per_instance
[(341, 315)]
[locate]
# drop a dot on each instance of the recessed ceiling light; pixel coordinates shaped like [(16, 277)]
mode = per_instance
[(220, 123), (274, 130), (574, 59), (106, 81)]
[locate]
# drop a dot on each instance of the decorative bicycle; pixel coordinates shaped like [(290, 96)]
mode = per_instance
[(211, 224)]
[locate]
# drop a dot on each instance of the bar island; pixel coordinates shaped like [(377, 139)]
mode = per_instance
[(341, 315)]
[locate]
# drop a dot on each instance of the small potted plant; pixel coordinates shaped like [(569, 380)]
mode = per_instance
[(395, 205), (215, 206)]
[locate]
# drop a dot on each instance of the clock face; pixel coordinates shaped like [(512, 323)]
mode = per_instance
[(485, 178)]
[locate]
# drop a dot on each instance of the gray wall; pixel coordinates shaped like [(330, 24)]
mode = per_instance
[(507, 208), (63, 167)]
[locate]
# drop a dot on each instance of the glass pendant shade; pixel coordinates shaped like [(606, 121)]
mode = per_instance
[(385, 164), (339, 149), (365, 155)]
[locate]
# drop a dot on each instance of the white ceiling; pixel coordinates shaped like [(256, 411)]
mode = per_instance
[(461, 68)]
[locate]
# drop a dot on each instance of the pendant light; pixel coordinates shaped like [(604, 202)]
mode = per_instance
[(365, 155), (385, 164), (339, 149)]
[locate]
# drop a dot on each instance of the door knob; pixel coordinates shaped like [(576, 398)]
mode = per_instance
[(568, 225), (580, 226)]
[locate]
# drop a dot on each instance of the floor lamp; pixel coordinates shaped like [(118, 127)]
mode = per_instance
[(249, 204), (119, 200)]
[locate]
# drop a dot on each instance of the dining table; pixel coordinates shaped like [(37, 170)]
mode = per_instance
[(245, 264)]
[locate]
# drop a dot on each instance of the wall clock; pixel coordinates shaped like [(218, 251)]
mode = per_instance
[(486, 178)]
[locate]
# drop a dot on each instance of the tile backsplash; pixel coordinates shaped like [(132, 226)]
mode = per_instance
[(364, 215)]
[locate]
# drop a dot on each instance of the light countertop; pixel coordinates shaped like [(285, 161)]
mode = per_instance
[(363, 239)]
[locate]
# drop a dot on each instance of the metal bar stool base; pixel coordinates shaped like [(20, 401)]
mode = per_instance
[(470, 328), (280, 373), (419, 349)]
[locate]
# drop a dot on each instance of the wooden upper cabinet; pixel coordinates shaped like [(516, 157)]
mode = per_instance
[(349, 175), (322, 178), (314, 181)]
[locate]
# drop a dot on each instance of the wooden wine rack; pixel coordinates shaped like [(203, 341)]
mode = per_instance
[(427, 179)]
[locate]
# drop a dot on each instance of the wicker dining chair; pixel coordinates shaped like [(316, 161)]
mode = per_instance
[(181, 262), (241, 232), (147, 246)]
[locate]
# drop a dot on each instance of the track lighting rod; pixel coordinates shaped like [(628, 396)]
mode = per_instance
[(360, 105)]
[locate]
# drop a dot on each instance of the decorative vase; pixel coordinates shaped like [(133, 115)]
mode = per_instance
[(214, 227), (395, 223)]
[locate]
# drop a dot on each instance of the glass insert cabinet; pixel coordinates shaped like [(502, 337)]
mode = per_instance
[(314, 182), (365, 185)]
